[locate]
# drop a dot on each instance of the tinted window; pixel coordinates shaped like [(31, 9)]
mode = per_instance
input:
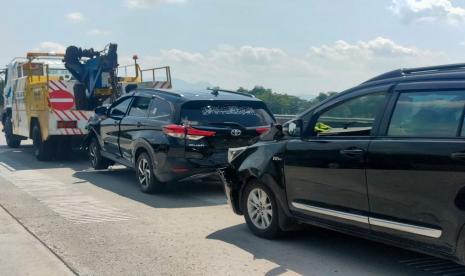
[(160, 110), (246, 114), (354, 117), (427, 114), (139, 107), (120, 108)]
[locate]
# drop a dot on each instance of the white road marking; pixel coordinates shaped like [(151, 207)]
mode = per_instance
[(8, 167), (61, 198)]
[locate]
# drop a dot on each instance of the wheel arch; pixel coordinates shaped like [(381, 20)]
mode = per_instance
[(460, 246), (91, 134), (140, 146), (285, 217)]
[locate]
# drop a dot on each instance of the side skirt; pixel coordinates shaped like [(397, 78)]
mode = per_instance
[(409, 228)]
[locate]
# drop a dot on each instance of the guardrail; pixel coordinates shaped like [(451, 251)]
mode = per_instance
[(282, 118)]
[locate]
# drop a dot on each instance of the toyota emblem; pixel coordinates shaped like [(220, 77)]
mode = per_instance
[(236, 132)]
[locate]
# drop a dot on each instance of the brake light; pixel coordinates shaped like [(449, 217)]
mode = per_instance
[(66, 124), (191, 133), (176, 131), (262, 130)]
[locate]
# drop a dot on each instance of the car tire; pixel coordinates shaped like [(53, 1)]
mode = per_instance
[(261, 210), (146, 178), (13, 141), (97, 161), (43, 150)]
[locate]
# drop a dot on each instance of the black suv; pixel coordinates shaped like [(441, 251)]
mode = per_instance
[(384, 160), (174, 136)]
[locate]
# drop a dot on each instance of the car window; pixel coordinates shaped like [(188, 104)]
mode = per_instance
[(427, 114), (139, 107), (121, 108), (243, 113), (160, 110), (354, 117)]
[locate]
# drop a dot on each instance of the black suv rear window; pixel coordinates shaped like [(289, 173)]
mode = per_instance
[(246, 114)]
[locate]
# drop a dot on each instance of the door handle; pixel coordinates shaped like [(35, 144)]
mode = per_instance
[(460, 156), (139, 124), (352, 152)]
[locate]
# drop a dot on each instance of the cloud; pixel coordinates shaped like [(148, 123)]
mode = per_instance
[(98, 32), (141, 4), (332, 67), (413, 11), (379, 47), (75, 17), (51, 47)]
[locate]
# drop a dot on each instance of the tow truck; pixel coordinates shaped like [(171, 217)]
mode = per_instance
[(49, 97)]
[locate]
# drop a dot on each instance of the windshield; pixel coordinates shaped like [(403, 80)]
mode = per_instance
[(245, 114)]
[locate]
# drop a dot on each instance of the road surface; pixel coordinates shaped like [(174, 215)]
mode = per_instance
[(99, 223)]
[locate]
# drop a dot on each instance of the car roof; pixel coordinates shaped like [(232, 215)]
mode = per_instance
[(196, 94), (448, 72)]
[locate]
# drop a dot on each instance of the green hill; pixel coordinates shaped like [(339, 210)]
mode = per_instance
[(283, 103)]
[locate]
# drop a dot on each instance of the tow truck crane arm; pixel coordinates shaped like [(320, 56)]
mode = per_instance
[(95, 70)]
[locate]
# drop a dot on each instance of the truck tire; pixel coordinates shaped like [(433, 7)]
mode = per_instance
[(97, 161), (13, 141), (43, 150)]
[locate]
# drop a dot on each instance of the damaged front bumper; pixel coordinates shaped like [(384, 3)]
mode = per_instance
[(231, 186)]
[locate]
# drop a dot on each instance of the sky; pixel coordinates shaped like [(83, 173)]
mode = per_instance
[(298, 47)]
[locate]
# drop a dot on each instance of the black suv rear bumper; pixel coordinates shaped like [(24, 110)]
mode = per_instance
[(185, 169)]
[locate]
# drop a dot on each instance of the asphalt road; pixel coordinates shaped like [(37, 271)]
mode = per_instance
[(99, 223)]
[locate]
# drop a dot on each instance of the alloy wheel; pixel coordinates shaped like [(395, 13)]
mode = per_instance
[(93, 154), (259, 208), (143, 172)]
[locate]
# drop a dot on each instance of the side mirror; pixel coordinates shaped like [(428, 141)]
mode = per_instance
[(101, 110), (293, 128)]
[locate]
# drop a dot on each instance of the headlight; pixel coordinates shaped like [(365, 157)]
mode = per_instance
[(235, 152)]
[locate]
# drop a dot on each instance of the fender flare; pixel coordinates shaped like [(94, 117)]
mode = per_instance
[(142, 144), (92, 132), (460, 246)]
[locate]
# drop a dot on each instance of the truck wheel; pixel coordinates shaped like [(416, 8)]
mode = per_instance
[(97, 161), (146, 178), (43, 150), (261, 210), (13, 141)]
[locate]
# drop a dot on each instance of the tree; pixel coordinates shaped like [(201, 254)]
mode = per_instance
[(283, 103)]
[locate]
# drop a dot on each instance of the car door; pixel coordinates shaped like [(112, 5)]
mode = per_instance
[(325, 169), (109, 127), (133, 125), (416, 166)]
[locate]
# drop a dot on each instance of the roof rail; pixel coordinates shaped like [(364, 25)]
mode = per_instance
[(216, 90), (419, 70), (166, 92)]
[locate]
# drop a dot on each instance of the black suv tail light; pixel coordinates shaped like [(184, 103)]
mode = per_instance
[(262, 130), (191, 133)]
